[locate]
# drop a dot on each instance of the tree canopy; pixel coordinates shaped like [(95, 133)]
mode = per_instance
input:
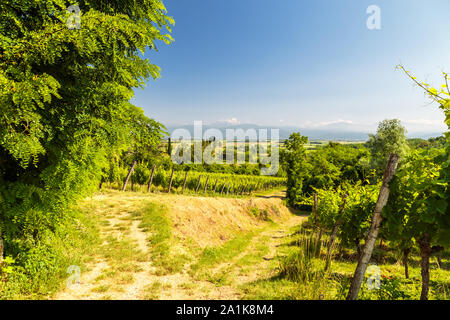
[(64, 101)]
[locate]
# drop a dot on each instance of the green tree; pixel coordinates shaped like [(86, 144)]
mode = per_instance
[(64, 103), (294, 158), (144, 137), (390, 138)]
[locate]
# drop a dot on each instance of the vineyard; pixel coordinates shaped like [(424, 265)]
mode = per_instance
[(198, 182)]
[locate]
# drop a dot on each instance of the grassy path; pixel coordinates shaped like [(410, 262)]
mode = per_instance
[(138, 257)]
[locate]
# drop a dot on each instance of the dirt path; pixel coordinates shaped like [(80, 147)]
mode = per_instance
[(123, 268)]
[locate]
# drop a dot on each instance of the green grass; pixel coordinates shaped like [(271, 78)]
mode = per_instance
[(213, 256), (155, 222), (300, 274), (43, 270)]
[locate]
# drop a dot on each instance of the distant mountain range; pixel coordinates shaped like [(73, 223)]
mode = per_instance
[(332, 132)]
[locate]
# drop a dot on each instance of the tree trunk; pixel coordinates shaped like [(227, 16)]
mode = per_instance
[(366, 254), (215, 186), (405, 261), (439, 262), (334, 233), (425, 253), (185, 179), (151, 178), (100, 185), (171, 179), (128, 175), (132, 185), (358, 247)]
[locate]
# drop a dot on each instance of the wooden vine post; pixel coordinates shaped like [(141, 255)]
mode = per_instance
[(151, 178), (334, 233), (215, 186), (198, 183), (316, 220), (171, 179), (185, 179), (206, 184), (223, 187), (366, 254)]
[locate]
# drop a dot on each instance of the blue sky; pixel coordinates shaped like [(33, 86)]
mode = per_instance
[(299, 63)]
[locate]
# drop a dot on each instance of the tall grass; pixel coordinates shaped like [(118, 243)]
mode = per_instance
[(302, 266)]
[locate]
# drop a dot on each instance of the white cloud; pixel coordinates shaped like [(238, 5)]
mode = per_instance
[(231, 121)]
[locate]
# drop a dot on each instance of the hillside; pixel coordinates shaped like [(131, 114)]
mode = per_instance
[(155, 246)]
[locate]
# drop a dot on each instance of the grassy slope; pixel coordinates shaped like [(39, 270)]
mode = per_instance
[(174, 247)]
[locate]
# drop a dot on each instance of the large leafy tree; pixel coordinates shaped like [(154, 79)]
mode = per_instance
[(64, 96), (334, 165)]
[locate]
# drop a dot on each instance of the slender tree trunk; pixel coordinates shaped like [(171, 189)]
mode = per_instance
[(405, 261), (334, 233), (228, 189), (171, 179), (128, 175), (185, 179), (215, 186), (100, 185), (438, 257), (425, 253), (151, 178), (366, 254), (132, 185), (198, 183)]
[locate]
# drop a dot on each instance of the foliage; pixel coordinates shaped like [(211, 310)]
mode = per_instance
[(390, 138), (357, 214), (416, 205), (336, 164), (226, 183), (64, 109), (293, 158)]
